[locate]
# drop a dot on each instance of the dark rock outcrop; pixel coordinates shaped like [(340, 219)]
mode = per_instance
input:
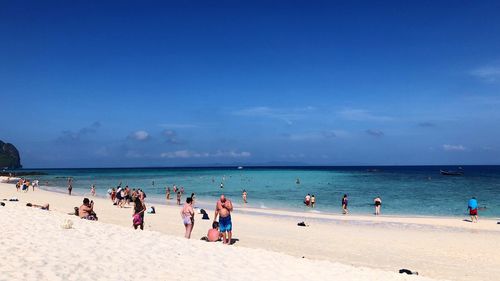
[(9, 156)]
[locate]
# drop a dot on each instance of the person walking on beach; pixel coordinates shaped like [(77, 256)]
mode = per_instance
[(92, 190), (472, 208), (244, 196), (70, 185), (345, 211), (223, 209), (138, 216), (187, 214), (378, 204)]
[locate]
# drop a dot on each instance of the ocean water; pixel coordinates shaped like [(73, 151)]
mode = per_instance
[(408, 190)]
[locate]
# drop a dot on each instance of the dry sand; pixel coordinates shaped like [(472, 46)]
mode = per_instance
[(334, 246)]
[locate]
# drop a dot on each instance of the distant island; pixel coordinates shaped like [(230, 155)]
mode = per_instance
[(9, 156)]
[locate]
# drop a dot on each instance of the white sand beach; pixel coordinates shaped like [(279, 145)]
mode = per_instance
[(269, 245)]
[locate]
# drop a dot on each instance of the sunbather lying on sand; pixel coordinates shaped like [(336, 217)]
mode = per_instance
[(43, 207)]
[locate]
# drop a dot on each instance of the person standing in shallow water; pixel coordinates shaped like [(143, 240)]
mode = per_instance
[(345, 211), (244, 196), (70, 185), (179, 197), (378, 204)]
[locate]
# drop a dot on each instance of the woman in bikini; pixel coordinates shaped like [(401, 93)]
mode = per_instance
[(187, 215)]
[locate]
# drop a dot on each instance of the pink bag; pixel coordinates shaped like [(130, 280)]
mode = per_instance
[(137, 220)]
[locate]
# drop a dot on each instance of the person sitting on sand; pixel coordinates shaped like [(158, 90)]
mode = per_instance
[(214, 234), (472, 208), (187, 214), (43, 207), (86, 210), (223, 209), (378, 204), (345, 211)]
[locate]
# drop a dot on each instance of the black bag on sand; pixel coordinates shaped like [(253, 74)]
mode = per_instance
[(407, 271), (205, 215)]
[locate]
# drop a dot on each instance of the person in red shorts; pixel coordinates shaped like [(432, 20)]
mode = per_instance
[(472, 207)]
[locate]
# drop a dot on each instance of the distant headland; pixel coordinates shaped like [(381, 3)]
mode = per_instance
[(9, 156)]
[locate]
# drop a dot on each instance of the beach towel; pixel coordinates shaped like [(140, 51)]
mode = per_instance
[(137, 220)]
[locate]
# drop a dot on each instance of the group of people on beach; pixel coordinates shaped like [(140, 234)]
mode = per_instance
[(24, 184), (221, 229), (178, 191)]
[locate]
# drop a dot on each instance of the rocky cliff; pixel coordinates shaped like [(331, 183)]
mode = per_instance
[(9, 156)]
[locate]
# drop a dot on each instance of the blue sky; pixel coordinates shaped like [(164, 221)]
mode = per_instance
[(172, 83)]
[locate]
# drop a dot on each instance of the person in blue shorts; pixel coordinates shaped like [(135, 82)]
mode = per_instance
[(223, 209)]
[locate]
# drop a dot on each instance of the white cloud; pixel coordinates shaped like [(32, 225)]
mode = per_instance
[(315, 135), (287, 115), (139, 135), (177, 125), (487, 73), (361, 115), (453, 147), (194, 154)]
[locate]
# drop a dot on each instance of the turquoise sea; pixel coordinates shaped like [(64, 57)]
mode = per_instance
[(405, 190)]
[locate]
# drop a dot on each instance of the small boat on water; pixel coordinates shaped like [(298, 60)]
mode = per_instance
[(240, 168), (451, 173)]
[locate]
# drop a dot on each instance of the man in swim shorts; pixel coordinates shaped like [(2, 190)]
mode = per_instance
[(223, 209), (472, 207)]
